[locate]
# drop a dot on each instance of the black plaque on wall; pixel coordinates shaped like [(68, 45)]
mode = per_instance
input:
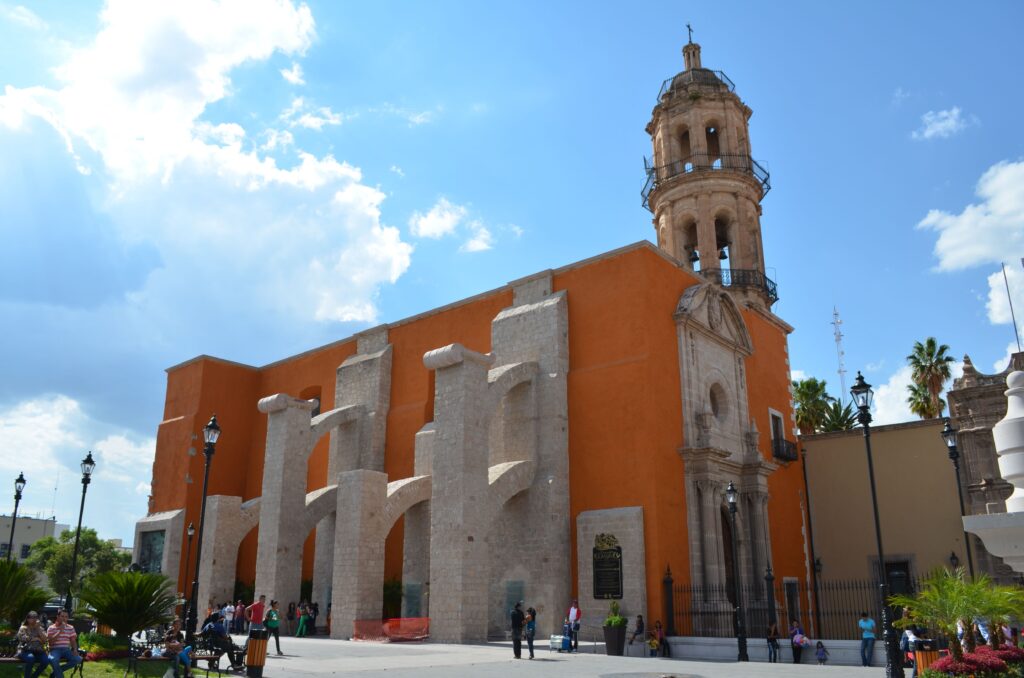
[(607, 568)]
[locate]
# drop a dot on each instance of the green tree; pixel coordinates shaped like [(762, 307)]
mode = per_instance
[(811, 401), (18, 592), (921, 403), (838, 417), (129, 602), (930, 365), (53, 558)]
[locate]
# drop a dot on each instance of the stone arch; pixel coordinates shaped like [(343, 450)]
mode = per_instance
[(714, 139), (403, 495), (686, 237), (229, 521)]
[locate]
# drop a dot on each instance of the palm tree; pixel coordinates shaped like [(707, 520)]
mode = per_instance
[(18, 592), (838, 417), (930, 369), (811, 399), (129, 602), (945, 598), (921, 404)]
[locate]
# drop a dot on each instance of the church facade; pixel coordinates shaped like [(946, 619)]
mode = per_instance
[(568, 435)]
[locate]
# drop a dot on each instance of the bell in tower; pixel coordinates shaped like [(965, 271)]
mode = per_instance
[(703, 186)]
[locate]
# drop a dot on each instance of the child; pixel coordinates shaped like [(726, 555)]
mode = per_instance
[(821, 653), (652, 644)]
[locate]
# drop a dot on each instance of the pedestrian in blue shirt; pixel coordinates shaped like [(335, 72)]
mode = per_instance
[(867, 638)]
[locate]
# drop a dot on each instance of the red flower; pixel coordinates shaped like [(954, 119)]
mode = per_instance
[(970, 664)]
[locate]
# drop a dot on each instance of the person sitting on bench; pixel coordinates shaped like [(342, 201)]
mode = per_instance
[(32, 646), (219, 638), (174, 646)]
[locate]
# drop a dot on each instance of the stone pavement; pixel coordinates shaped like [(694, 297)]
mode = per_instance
[(324, 657)]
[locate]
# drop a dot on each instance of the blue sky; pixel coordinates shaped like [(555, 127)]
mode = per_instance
[(253, 179)]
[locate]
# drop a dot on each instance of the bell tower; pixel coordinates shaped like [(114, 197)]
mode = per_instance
[(703, 186)]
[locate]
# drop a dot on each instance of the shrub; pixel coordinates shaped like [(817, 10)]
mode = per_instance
[(18, 592), (129, 602), (970, 664), (1007, 653), (614, 618)]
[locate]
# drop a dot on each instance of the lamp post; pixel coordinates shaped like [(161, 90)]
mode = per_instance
[(862, 396), (741, 628), (191, 532), (769, 587), (19, 485), (88, 466), (210, 435), (949, 436)]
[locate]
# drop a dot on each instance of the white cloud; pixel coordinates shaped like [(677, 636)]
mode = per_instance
[(998, 304), (23, 16), (441, 220), (891, 399), (49, 435), (797, 375), (276, 139), (875, 367), (413, 117), (480, 238), (1001, 364), (940, 124), (293, 74), (984, 232), (398, 170), (899, 95), (301, 114), (130, 105)]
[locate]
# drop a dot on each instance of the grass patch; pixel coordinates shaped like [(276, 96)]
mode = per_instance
[(100, 669)]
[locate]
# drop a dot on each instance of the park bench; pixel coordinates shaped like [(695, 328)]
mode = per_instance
[(9, 655), (202, 651)]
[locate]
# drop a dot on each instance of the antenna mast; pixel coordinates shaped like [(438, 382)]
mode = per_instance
[(53, 506), (840, 353)]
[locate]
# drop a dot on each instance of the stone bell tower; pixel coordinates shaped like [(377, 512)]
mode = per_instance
[(703, 186)]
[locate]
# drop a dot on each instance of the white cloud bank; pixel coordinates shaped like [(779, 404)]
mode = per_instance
[(940, 125), (304, 240), (293, 74)]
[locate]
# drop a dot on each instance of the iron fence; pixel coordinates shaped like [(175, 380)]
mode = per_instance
[(711, 611), (704, 162), (739, 277), (703, 77)]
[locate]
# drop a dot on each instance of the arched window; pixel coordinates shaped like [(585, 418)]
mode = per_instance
[(723, 236), (712, 139)]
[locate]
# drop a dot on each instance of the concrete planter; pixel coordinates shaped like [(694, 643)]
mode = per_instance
[(614, 640)]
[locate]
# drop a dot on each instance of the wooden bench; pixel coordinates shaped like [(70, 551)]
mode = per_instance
[(9, 655)]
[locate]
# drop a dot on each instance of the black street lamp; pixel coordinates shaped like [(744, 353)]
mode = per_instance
[(769, 587), (88, 466), (210, 435), (741, 627), (19, 485), (949, 436), (862, 396), (191, 532)]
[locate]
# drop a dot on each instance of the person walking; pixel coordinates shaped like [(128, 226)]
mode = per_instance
[(575, 616), (796, 640), (32, 646), (228, 610), (772, 635), (531, 628), (303, 617), (273, 621), (867, 638), (517, 630)]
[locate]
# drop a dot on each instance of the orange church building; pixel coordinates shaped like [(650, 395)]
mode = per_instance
[(643, 381)]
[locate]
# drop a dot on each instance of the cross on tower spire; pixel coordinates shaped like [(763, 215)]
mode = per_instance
[(689, 30)]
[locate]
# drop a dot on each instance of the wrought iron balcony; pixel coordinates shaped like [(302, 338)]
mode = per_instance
[(740, 277), (703, 162), (702, 77), (784, 450)]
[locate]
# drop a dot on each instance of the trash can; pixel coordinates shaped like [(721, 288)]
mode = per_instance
[(256, 652)]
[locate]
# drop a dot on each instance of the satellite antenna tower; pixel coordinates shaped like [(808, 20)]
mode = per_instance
[(53, 506), (840, 354)]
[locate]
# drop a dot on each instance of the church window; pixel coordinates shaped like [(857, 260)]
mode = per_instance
[(685, 151), (714, 152), (719, 402)]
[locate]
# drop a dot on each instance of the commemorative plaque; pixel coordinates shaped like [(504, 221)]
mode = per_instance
[(607, 567)]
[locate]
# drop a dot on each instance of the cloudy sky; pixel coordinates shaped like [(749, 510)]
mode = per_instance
[(254, 178)]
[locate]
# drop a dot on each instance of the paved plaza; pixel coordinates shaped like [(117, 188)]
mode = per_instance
[(324, 657)]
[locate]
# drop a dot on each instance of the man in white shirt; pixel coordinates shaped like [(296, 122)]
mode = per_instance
[(575, 616), (229, 615)]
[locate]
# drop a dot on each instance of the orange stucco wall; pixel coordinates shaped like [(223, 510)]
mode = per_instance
[(625, 413)]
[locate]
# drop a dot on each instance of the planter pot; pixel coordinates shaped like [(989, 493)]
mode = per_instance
[(614, 640)]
